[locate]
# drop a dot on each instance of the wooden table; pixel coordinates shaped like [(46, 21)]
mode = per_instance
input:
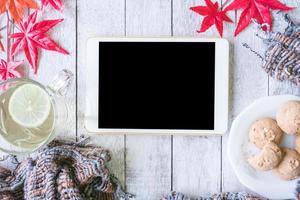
[(151, 166)]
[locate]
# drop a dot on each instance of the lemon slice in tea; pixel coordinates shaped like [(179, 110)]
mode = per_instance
[(29, 105)]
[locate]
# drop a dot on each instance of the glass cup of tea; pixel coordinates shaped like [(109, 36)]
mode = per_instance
[(30, 112)]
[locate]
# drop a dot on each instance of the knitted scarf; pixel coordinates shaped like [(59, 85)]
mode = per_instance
[(62, 172)]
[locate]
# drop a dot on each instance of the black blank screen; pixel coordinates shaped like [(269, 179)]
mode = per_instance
[(156, 85)]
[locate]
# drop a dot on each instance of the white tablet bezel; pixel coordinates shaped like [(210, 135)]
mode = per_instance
[(221, 87)]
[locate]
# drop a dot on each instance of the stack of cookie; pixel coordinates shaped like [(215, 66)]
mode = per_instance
[(266, 134)]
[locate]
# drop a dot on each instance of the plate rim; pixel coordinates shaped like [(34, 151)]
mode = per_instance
[(234, 126)]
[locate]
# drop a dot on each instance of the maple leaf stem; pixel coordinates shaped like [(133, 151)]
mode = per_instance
[(224, 4), (2, 28), (11, 21), (7, 37)]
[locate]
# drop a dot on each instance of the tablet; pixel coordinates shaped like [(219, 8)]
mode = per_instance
[(157, 86)]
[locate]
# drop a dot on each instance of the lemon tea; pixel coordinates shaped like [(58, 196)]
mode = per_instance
[(27, 115)]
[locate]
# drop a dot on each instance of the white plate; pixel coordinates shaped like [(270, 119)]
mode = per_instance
[(266, 184)]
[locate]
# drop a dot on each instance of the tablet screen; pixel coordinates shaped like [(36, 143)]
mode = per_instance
[(156, 85)]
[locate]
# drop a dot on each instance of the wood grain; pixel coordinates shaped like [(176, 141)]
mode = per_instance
[(248, 82), (227, 174), (148, 158), (98, 18), (196, 160), (150, 166), (153, 165), (6, 163), (51, 63), (196, 165)]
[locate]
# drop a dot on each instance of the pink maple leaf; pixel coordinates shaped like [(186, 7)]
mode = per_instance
[(9, 70), (56, 4), (32, 37)]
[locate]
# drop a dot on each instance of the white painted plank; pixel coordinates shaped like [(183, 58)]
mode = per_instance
[(148, 166), (247, 83), (3, 26), (3, 55), (186, 22), (196, 165), (148, 18), (276, 87), (229, 180), (99, 18), (148, 158), (196, 160), (51, 63)]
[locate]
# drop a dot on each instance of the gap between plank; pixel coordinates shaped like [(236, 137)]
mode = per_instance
[(76, 71), (125, 168), (172, 167), (125, 138), (125, 8), (221, 148), (172, 137), (172, 16)]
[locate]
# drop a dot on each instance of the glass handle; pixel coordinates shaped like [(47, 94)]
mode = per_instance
[(61, 83)]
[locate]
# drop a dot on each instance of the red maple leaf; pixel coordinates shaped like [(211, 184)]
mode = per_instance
[(255, 9), (56, 4), (213, 15), (9, 70), (32, 37)]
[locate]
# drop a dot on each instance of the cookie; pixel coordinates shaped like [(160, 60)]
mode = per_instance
[(288, 117), (268, 159), (264, 131), (289, 167)]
